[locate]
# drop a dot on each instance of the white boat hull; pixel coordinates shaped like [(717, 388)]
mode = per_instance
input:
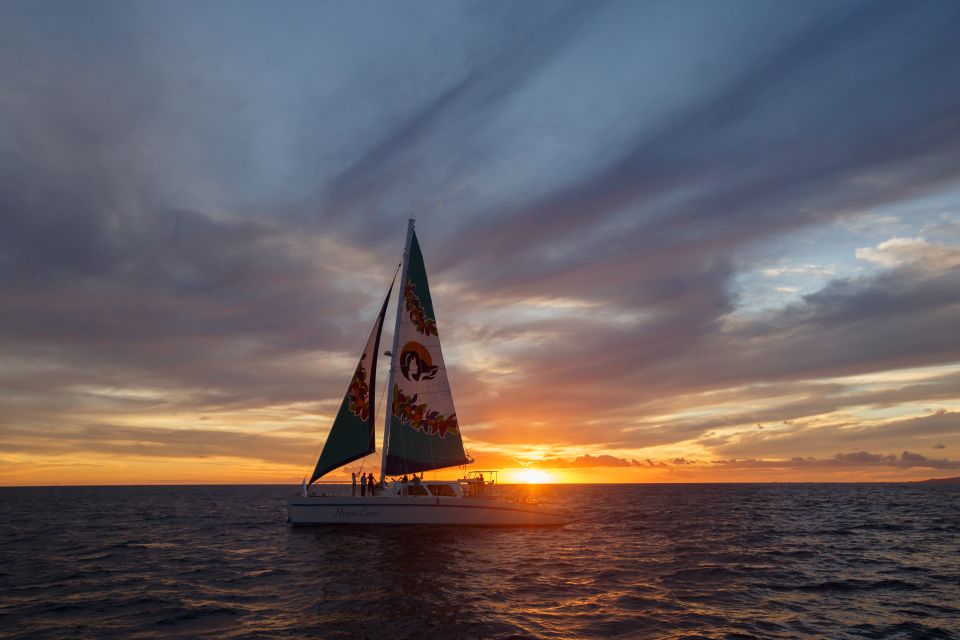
[(320, 510)]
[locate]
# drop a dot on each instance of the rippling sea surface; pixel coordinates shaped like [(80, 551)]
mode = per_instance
[(657, 561)]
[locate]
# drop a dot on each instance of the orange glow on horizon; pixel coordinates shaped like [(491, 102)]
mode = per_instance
[(528, 475), (91, 469)]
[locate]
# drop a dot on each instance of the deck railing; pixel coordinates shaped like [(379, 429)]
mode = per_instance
[(335, 488)]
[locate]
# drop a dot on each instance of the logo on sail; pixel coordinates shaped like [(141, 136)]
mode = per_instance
[(426, 326), (416, 363), (358, 393), (420, 417)]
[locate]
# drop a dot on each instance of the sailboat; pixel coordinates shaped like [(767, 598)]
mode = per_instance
[(421, 433)]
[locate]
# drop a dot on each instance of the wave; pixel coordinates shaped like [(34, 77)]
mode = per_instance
[(671, 562)]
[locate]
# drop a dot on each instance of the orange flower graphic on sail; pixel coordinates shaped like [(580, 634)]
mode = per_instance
[(358, 393), (419, 417), (426, 326)]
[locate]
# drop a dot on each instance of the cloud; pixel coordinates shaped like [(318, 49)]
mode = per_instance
[(188, 304), (854, 459), (635, 209), (616, 375), (806, 269), (201, 220), (839, 431), (528, 41), (603, 460), (154, 442), (904, 251), (906, 460)]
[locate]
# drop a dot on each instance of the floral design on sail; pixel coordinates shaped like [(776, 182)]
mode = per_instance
[(358, 393), (419, 417), (426, 326)]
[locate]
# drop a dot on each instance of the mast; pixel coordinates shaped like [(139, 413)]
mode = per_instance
[(387, 414)]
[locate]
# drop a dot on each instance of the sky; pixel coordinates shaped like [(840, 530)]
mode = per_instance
[(666, 241)]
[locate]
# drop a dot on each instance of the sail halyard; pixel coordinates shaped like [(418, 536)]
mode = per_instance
[(352, 435)]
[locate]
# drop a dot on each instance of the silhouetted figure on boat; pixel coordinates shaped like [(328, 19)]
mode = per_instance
[(363, 485)]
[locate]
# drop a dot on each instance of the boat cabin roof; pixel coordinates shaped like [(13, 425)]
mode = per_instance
[(432, 489)]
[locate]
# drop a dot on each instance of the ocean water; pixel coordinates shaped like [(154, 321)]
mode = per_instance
[(639, 561)]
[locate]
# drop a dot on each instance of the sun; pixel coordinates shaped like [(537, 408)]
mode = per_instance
[(532, 476)]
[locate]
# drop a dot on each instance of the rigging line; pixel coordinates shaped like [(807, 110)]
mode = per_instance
[(380, 411), (383, 391), (316, 451), (403, 447)]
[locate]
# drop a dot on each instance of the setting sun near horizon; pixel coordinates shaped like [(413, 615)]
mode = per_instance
[(528, 476)]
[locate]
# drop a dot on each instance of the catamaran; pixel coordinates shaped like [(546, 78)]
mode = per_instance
[(421, 433)]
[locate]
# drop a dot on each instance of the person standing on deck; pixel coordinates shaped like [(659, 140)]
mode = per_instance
[(363, 485), (372, 484), (353, 483)]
